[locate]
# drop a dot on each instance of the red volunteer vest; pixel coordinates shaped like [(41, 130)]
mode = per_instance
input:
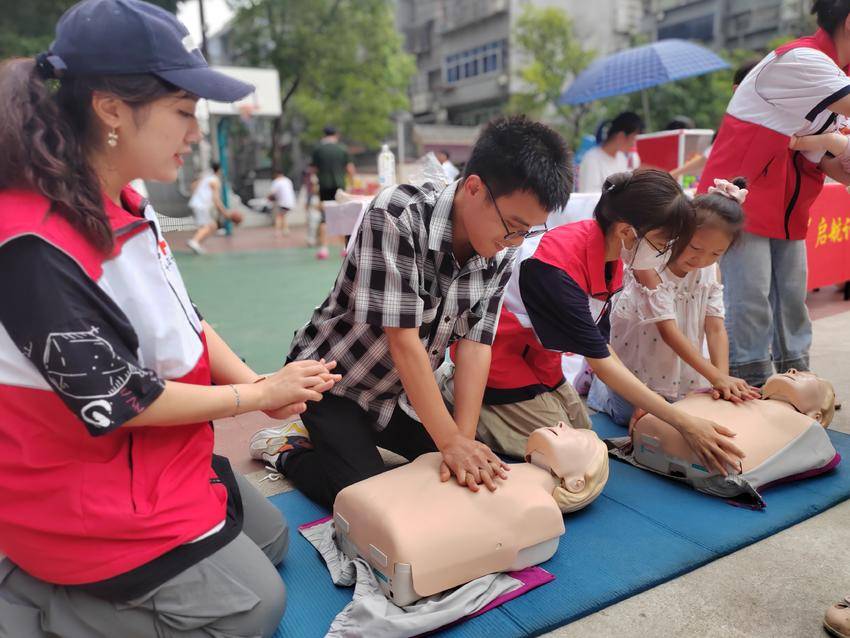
[(520, 366), (783, 184), (79, 509)]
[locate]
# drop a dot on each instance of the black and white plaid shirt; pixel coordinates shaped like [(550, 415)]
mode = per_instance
[(401, 273)]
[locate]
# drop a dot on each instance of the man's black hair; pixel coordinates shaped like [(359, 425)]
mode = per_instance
[(215, 166), (517, 154), (329, 130), (831, 14)]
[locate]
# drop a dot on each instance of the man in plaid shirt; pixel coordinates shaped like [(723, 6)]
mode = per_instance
[(428, 268)]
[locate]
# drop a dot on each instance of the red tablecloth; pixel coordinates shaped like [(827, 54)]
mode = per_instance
[(828, 241)]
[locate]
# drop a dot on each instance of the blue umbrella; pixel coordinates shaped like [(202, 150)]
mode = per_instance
[(640, 68)]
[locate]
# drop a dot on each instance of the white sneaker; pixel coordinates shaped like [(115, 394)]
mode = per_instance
[(268, 444), (196, 247)]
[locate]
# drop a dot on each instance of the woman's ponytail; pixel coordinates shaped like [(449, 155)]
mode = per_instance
[(43, 151)]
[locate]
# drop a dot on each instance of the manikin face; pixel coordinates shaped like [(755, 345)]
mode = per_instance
[(567, 452), (807, 392)]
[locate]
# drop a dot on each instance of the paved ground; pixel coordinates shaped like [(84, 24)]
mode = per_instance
[(256, 295)]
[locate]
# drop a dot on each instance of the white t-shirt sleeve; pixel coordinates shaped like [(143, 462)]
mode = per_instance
[(803, 81), (590, 177), (284, 193)]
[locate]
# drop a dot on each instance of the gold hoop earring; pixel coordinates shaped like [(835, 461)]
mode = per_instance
[(112, 138)]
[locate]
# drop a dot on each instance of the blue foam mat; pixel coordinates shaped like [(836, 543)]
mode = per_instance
[(642, 531)]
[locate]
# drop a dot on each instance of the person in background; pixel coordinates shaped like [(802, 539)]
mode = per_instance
[(800, 89), (695, 165), (613, 153), (680, 122), (282, 196), (331, 163), (449, 169), (205, 204)]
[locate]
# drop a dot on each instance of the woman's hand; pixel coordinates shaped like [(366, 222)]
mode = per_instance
[(712, 444), (733, 389), (286, 392)]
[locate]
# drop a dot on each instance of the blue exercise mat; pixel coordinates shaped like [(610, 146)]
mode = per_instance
[(642, 531)]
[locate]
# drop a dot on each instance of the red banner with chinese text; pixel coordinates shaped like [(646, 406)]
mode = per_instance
[(828, 240)]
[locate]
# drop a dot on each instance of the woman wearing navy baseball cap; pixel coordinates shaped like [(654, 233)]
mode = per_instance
[(117, 519)]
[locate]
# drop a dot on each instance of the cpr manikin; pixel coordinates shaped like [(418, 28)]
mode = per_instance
[(782, 436), (422, 536)]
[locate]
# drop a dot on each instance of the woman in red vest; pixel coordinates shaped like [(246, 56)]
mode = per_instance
[(116, 518), (799, 89)]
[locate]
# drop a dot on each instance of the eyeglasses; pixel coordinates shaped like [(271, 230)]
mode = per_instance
[(513, 234), (660, 251)]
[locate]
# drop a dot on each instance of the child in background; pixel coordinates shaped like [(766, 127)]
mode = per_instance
[(662, 318), (282, 196)]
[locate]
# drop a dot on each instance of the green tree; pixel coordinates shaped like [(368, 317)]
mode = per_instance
[(545, 39), (27, 26), (339, 61)]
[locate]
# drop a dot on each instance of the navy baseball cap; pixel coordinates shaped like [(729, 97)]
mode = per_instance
[(124, 37)]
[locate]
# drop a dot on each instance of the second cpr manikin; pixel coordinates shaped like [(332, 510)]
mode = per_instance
[(422, 537), (783, 436)]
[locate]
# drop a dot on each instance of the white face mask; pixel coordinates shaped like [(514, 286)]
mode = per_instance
[(642, 256)]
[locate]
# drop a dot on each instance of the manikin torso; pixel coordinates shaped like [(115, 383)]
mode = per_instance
[(422, 536), (781, 436), (762, 427)]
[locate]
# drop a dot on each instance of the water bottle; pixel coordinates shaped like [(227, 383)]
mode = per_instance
[(386, 167)]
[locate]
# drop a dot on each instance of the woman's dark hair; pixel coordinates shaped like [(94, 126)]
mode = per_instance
[(744, 70), (680, 122), (517, 154), (626, 122), (718, 211), (648, 199), (46, 131), (831, 14)]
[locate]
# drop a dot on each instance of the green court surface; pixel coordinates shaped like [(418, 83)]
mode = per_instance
[(257, 300)]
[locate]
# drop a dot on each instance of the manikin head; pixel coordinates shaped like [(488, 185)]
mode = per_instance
[(576, 457), (808, 393)]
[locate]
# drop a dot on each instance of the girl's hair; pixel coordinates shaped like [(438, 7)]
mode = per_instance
[(718, 211), (626, 122), (648, 199), (46, 131)]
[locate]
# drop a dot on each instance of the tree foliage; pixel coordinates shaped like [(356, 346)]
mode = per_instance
[(553, 56), (340, 61)]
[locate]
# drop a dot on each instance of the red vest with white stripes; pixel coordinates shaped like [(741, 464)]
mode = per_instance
[(518, 358), (76, 508), (783, 183)]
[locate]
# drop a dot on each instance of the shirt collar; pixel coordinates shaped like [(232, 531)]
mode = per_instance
[(826, 44), (596, 265), (441, 231)]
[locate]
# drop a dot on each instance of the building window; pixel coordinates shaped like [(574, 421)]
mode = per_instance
[(481, 60)]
